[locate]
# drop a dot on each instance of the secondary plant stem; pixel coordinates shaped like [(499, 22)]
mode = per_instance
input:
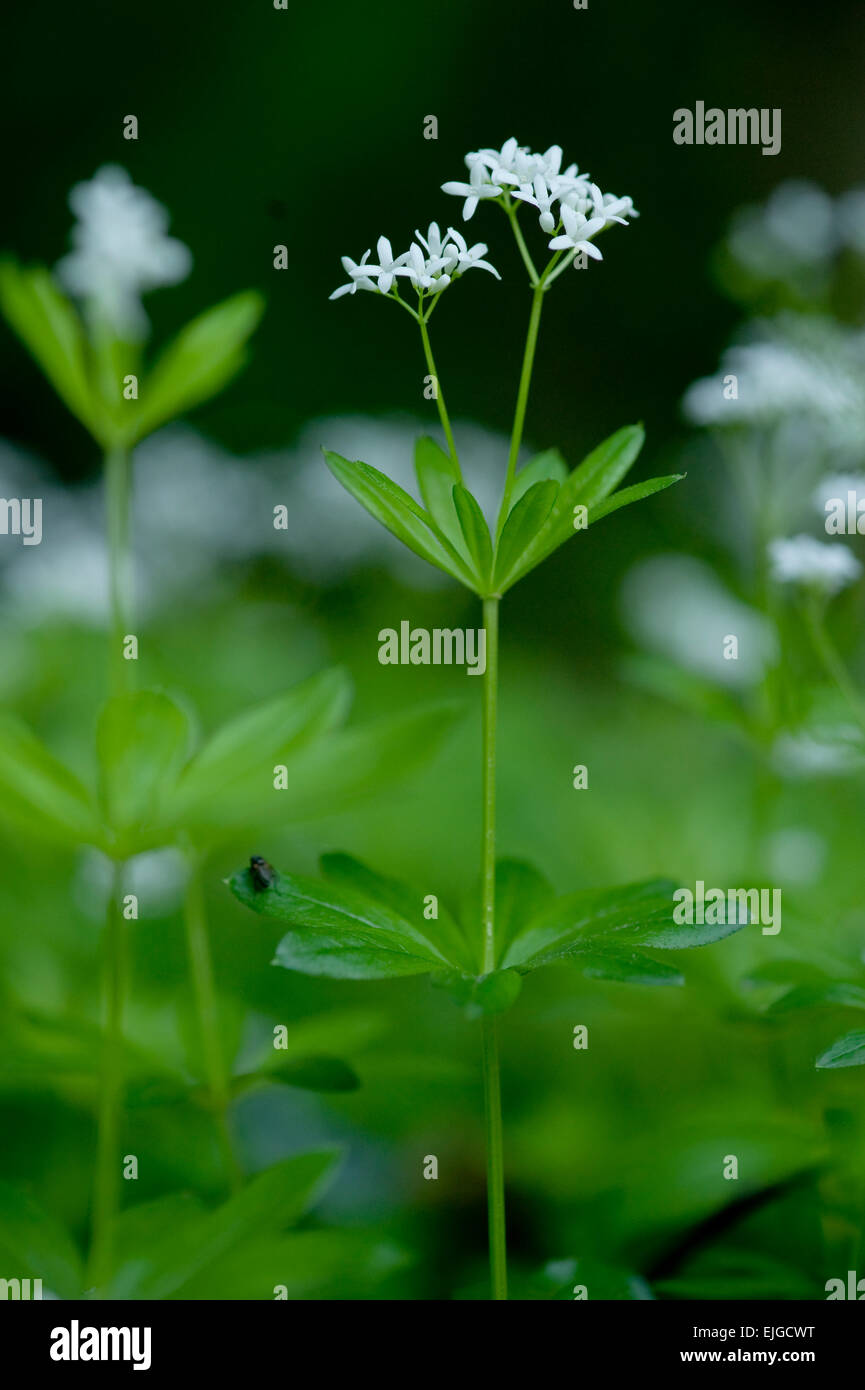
[(107, 1184), (440, 400), (832, 661), (201, 968), (523, 395), (118, 476), (495, 1161), (492, 1086)]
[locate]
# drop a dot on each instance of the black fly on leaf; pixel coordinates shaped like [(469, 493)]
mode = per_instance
[(263, 875)]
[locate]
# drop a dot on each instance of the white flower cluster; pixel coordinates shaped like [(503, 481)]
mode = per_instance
[(120, 250), (788, 370), (822, 565), (567, 202), (430, 264)]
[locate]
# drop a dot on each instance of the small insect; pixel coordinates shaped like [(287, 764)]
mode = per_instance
[(263, 875)]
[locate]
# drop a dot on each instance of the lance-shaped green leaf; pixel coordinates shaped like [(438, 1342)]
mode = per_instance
[(338, 932), (476, 536), (397, 510), (626, 495), (51, 330), (559, 528), (628, 967), (142, 742), (525, 522), (848, 1051), (548, 466), (407, 902), (635, 915), (437, 474), (586, 486), (198, 363), (38, 794), (231, 780), (604, 468), (522, 895)]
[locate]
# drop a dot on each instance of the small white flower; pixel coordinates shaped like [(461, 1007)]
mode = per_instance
[(120, 250), (425, 273), (479, 186), (358, 278), (389, 266), (577, 230), (466, 257), (823, 565), (542, 196)]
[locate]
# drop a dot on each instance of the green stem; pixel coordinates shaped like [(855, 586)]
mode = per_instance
[(522, 396), (490, 719), (492, 1085), (201, 968), (106, 1194), (832, 661), (118, 476), (495, 1161), (440, 400), (513, 217)]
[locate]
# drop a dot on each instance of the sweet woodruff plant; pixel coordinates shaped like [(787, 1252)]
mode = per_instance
[(356, 924)]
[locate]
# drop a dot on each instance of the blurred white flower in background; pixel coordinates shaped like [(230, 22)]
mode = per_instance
[(789, 367), (834, 750), (838, 485), (200, 514), (120, 250), (677, 607), (824, 565), (797, 225), (795, 854)]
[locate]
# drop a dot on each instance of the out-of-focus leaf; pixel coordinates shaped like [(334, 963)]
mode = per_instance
[(351, 763), (50, 329), (331, 1264), (848, 1051), (785, 971), (38, 794), (566, 1279), (306, 1073), (142, 741), (629, 967), (684, 689), (33, 1245), (196, 365), (834, 995), (406, 902), (524, 523), (230, 782), (337, 931), (476, 536), (397, 510), (271, 1201)]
